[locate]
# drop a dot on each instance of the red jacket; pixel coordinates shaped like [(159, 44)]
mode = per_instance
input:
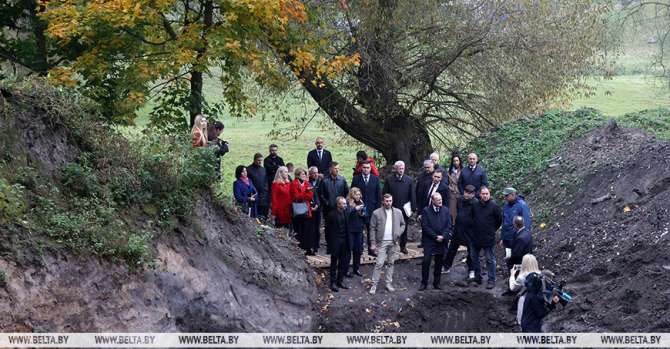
[(373, 168), (281, 202), (302, 193)]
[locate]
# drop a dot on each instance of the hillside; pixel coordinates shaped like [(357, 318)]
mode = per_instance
[(97, 234)]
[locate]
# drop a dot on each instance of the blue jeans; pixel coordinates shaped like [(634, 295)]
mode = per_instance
[(490, 254)]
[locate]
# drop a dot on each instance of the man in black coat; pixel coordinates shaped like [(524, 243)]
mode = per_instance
[(320, 157), (473, 174), (259, 177), (371, 191), (338, 233), (272, 163), (424, 179), (488, 219), (436, 229), (465, 222), (522, 243), (402, 188), (436, 185), (332, 186), (314, 226)]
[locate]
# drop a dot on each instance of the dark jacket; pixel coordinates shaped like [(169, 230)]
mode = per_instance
[(522, 244), (259, 177), (316, 200), (477, 178), (324, 164), (402, 190), (356, 219), (517, 208), (330, 189), (271, 166), (422, 198), (488, 218), (465, 220), (372, 192), (220, 148), (535, 309), (434, 224), (338, 227)]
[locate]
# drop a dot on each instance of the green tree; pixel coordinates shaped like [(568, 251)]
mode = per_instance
[(435, 68)]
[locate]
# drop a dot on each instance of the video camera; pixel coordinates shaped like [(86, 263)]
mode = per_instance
[(551, 289)]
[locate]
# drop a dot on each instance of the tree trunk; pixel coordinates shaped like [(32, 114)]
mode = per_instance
[(41, 59), (195, 97)]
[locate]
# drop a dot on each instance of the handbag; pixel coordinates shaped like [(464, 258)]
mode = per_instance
[(299, 209)]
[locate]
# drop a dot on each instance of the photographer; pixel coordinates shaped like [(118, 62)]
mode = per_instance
[(517, 280), (535, 305), (220, 147)]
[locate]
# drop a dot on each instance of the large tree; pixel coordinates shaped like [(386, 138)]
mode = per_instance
[(437, 69), (133, 50)]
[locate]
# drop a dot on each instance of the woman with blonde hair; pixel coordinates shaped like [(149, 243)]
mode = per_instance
[(199, 132), (281, 198), (356, 214), (517, 280)]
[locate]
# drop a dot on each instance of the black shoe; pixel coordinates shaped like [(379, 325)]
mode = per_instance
[(349, 275), (358, 273), (372, 254), (437, 287), (404, 250), (342, 286), (333, 288), (423, 287), (419, 246)]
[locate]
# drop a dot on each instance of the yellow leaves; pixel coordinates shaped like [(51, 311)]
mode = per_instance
[(62, 76), (626, 209), (186, 56), (303, 59), (234, 46), (136, 97)]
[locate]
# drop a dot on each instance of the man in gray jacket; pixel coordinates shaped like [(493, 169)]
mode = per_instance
[(386, 226)]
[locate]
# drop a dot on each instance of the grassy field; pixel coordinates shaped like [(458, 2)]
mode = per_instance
[(614, 97)]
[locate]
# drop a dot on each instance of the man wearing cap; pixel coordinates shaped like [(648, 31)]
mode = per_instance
[(465, 222), (514, 206)]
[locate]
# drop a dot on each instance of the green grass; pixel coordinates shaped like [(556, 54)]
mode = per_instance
[(624, 94)]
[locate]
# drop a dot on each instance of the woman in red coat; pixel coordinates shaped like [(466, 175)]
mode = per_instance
[(301, 191), (281, 198), (361, 156)]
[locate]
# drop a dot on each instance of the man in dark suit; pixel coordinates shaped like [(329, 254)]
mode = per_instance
[(320, 157), (436, 185), (436, 229), (315, 223), (474, 174), (465, 222), (488, 219), (272, 163), (332, 186), (259, 178), (339, 244), (522, 243), (371, 190), (402, 188), (424, 179)]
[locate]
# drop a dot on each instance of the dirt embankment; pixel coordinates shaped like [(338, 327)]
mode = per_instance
[(607, 202), (214, 272)]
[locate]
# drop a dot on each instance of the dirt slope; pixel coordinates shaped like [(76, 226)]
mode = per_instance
[(607, 202), (214, 272)]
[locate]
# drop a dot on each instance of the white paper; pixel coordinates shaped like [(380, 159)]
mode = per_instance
[(408, 208), (508, 252)]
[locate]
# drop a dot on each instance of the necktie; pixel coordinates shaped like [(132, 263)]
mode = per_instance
[(430, 192), (365, 179), (319, 152)]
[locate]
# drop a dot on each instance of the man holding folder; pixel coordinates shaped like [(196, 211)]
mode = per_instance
[(401, 187)]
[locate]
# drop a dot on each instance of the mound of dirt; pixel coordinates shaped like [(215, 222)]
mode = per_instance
[(606, 202), (216, 272)]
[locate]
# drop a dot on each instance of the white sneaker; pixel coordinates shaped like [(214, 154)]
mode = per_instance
[(471, 275), (373, 289), (390, 288)]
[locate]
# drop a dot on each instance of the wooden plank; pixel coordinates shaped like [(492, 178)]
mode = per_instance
[(323, 261)]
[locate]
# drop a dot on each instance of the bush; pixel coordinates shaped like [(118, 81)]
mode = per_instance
[(12, 202), (80, 179)]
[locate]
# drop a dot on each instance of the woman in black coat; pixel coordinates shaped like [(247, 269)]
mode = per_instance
[(357, 215)]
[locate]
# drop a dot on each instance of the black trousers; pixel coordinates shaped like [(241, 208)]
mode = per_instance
[(356, 243), (437, 269), (326, 211), (403, 237), (451, 254), (339, 259), (301, 225), (315, 226), (368, 241), (263, 211)]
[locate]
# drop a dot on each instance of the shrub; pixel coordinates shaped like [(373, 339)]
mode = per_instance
[(12, 202)]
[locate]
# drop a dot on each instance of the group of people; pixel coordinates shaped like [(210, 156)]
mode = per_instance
[(453, 205)]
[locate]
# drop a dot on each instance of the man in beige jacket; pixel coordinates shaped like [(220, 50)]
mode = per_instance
[(386, 226)]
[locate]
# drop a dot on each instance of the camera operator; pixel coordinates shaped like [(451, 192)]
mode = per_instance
[(517, 280), (535, 305)]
